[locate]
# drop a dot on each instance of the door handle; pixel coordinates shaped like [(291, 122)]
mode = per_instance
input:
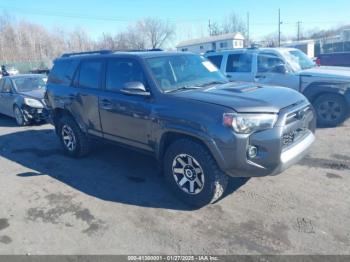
[(106, 104), (258, 77)]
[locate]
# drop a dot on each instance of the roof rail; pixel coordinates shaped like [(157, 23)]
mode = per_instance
[(100, 52)]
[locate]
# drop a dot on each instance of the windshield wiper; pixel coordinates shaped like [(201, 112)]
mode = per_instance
[(212, 83), (182, 89)]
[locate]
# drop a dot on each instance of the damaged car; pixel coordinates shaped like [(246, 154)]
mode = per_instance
[(22, 97)]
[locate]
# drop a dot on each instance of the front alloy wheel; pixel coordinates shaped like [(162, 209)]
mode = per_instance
[(192, 173), (19, 116), (188, 174), (331, 110)]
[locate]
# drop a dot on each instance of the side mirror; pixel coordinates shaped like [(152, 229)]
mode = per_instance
[(135, 88), (280, 69)]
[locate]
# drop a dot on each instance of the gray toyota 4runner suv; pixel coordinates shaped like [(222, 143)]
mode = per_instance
[(181, 109), (327, 88)]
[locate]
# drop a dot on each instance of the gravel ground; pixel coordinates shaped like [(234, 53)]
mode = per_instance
[(113, 202)]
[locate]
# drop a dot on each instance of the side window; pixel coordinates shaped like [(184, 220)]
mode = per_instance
[(239, 63), (7, 87), (62, 72), (267, 62), (122, 71), (90, 74), (216, 60)]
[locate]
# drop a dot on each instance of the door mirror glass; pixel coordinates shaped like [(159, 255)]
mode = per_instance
[(135, 88)]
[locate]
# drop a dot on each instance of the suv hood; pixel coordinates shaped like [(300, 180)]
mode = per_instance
[(337, 73), (246, 97), (38, 93)]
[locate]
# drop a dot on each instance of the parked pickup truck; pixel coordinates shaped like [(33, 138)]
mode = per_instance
[(327, 88), (181, 109)]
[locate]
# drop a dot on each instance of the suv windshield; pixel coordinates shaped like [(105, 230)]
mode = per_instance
[(180, 72), (298, 60), (25, 84)]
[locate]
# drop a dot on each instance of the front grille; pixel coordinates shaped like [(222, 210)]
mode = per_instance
[(296, 125), (291, 137), (298, 115)]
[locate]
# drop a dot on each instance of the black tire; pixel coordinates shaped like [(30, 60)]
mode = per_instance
[(82, 143), (331, 110), (215, 181), (20, 118)]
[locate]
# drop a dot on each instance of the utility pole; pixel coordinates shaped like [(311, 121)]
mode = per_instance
[(209, 28), (248, 25), (298, 24), (279, 27)]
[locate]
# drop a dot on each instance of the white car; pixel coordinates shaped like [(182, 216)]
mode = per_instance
[(327, 88)]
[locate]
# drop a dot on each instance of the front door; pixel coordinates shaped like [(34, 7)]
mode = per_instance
[(266, 72), (125, 118)]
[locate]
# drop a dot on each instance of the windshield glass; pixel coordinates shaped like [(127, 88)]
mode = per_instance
[(298, 60), (25, 84), (184, 71)]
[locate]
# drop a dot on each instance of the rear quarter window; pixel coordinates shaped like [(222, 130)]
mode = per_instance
[(216, 60), (62, 72)]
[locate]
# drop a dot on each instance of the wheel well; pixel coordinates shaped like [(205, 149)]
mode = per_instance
[(58, 113), (171, 137), (312, 98)]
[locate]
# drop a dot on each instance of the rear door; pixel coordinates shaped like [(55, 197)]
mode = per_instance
[(84, 95), (7, 97), (125, 118), (239, 67)]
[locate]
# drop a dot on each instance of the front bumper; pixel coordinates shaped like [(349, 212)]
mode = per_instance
[(35, 114), (274, 154)]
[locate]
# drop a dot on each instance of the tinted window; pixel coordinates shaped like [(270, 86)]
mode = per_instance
[(7, 87), (90, 74), (122, 71), (267, 62), (239, 63), (216, 60), (62, 72)]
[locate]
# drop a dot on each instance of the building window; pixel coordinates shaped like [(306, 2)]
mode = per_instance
[(223, 45), (184, 49), (201, 47)]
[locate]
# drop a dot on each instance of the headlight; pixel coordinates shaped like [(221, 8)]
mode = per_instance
[(248, 123), (33, 103)]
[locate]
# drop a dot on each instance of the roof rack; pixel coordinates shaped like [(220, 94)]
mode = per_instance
[(101, 52), (105, 52)]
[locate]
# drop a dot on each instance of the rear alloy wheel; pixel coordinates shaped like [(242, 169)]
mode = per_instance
[(193, 174), (19, 116), (331, 110), (75, 143)]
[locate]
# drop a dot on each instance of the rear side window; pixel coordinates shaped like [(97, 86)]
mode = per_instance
[(216, 60), (90, 74), (239, 63), (121, 71), (62, 72)]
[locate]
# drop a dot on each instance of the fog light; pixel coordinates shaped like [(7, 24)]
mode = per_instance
[(252, 151)]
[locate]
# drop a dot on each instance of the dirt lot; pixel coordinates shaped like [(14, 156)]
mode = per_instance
[(113, 202)]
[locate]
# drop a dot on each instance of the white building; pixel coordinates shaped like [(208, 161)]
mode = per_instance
[(218, 42), (307, 46)]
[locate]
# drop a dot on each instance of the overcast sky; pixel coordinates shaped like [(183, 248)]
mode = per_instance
[(190, 16)]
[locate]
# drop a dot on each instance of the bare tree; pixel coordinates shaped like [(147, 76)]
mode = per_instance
[(156, 32), (233, 23)]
